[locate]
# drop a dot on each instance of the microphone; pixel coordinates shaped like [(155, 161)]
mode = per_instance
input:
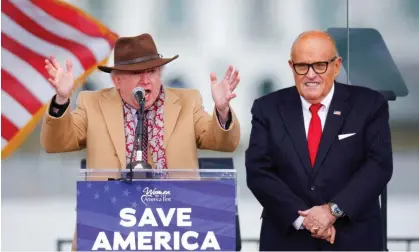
[(138, 163), (139, 94)]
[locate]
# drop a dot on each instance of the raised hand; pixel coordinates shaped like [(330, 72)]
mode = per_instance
[(222, 92), (62, 80)]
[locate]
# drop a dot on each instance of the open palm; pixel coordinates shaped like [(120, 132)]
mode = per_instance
[(62, 80), (222, 92)]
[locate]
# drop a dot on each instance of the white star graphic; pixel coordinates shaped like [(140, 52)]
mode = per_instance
[(138, 188), (126, 192), (106, 188), (97, 195), (113, 200), (78, 192), (134, 204), (89, 185)]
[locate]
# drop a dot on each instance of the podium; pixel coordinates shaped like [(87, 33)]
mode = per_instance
[(156, 210)]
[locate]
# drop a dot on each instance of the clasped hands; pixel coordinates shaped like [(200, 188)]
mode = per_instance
[(319, 221)]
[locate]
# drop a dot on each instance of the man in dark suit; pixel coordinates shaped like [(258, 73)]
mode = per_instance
[(319, 156)]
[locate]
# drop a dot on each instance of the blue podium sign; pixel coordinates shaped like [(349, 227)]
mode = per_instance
[(156, 215)]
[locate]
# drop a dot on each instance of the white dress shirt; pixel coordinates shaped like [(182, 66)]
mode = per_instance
[(307, 118)]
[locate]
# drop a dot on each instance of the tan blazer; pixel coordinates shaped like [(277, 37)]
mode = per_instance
[(97, 124)]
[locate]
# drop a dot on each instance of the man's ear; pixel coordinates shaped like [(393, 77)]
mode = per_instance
[(338, 64), (290, 63), (115, 80)]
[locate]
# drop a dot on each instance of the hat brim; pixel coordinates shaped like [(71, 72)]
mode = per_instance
[(139, 66)]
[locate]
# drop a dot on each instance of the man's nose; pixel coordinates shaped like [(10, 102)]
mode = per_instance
[(311, 74), (143, 78)]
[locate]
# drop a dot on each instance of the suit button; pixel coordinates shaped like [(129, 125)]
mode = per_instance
[(313, 188)]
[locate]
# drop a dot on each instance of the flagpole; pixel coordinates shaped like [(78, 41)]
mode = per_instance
[(389, 96)]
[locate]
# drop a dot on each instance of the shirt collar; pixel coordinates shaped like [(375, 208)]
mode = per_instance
[(326, 101), (133, 110)]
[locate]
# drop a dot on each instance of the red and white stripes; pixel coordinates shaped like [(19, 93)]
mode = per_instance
[(30, 32)]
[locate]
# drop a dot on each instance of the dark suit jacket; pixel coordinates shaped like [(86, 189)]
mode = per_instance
[(351, 172)]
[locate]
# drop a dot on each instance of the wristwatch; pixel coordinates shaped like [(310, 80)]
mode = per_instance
[(336, 211)]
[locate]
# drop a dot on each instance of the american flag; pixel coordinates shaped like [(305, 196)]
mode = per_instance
[(32, 30)]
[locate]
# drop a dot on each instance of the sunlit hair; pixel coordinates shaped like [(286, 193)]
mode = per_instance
[(309, 33)]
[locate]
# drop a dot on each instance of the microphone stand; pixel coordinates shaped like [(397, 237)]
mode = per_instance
[(138, 163)]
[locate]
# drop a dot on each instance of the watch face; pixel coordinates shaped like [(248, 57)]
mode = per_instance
[(336, 210)]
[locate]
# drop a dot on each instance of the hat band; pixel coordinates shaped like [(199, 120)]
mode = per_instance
[(137, 60)]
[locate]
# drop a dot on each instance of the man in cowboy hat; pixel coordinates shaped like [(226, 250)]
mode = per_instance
[(104, 122)]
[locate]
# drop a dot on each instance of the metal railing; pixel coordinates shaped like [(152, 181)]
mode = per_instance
[(408, 240)]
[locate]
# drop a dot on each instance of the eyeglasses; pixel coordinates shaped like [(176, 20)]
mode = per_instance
[(318, 67)]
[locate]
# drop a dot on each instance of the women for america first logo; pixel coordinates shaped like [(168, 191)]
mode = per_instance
[(155, 195)]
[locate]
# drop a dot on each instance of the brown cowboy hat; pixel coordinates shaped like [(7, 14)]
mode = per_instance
[(136, 54)]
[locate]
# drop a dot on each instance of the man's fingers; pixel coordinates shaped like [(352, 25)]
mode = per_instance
[(228, 73), (314, 232), (49, 64), (320, 237), (230, 95), (235, 81), (309, 227), (213, 79), (322, 231), (307, 224), (315, 236), (303, 213), (333, 236), (69, 66), (234, 76), (310, 224), (53, 82), (328, 235), (55, 62), (51, 71), (50, 68)]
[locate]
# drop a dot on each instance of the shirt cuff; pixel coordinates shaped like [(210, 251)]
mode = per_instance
[(225, 125), (298, 223), (57, 110)]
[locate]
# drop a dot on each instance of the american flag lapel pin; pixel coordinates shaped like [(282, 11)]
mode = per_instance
[(336, 112)]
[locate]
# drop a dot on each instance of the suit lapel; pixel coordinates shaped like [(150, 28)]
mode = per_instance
[(171, 113), (112, 111), (292, 115), (334, 122)]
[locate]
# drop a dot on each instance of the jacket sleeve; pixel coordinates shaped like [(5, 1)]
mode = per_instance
[(369, 181), (277, 199), (66, 132), (210, 134)]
